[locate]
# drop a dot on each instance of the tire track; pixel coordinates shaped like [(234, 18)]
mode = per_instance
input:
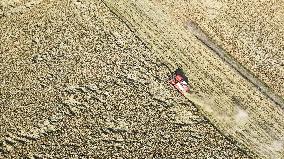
[(199, 34), (209, 75), (106, 98)]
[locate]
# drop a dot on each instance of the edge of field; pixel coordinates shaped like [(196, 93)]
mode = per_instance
[(235, 105)]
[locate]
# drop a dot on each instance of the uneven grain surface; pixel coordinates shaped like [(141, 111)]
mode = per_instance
[(12, 7), (76, 82), (224, 56), (234, 104), (251, 31)]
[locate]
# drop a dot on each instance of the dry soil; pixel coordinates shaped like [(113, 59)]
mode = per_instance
[(76, 82)]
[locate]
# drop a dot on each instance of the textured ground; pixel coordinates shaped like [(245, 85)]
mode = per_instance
[(250, 31), (232, 101), (76, 82)]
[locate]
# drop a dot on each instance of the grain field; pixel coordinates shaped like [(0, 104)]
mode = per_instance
[(77, 82), (235, 104)]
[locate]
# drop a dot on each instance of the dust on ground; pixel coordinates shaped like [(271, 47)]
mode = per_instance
[(208, 74), (250, 31), (76, 82)]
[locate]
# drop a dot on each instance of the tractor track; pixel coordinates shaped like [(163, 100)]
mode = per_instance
[(200, 35), (211, 76), (84, 85)]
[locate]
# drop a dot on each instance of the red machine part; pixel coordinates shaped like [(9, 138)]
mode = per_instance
[(179, 83)]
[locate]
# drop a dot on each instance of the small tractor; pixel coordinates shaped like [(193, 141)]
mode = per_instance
[(179, 81)]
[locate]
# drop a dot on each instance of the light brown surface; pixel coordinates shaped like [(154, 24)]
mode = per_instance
[(251, 31), (76, 82), (229, 100)]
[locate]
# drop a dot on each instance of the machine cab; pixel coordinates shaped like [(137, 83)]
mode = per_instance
[(179, 81)]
